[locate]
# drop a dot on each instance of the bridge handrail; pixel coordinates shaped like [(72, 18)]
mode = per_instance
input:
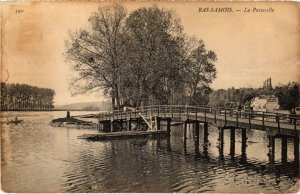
[(207, 108), (146, 108)]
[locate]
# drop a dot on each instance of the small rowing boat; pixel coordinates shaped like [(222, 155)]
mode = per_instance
[(16, 121)]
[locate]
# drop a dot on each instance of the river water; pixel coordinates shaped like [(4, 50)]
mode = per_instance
[(39, 158)]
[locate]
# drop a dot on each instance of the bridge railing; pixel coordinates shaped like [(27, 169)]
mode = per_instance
[(227, 114)]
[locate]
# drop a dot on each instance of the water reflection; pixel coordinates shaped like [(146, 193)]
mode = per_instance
[(40, 158)]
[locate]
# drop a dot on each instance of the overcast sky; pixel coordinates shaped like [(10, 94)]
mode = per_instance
[(250, 46)]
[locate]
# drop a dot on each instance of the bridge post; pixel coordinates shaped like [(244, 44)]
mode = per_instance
[(197, 131), (187, 112), (244, 143), (121, 124), (206, 132), (129, 124), (249, 118), (196, 138), (215, 116), (169, 126), (184, 130), (221, 142), (157, 123), (284, 149), (271, 146), (263, 120), (232, 142), (184, 136), (296, 150), (225, 117), (112, 126), (278, 122), (237, 118)]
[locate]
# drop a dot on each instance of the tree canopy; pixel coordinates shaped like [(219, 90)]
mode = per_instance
[(288, 95), (140, 58)]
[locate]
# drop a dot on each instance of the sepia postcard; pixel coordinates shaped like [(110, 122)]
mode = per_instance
[(150, 96)]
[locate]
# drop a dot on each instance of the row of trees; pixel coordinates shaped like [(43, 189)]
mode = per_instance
[(288, 96), (140, 58), (26, 97)]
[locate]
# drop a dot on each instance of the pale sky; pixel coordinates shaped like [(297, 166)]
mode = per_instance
[(250, 46)]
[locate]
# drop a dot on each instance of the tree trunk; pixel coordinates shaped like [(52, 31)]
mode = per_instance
[(113, 100), (117, 96)]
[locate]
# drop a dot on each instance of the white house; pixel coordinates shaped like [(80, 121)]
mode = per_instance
[(266, 103)]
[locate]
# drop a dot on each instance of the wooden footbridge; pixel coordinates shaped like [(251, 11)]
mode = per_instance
[(152, 115), (149, 118)]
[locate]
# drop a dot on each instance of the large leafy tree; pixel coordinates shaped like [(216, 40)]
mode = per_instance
[(96, 54), (140, 59), (200, 71), (165, 62), (288, 95), (154, 55)]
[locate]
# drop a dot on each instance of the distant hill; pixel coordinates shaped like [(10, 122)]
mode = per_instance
[(87, 106)]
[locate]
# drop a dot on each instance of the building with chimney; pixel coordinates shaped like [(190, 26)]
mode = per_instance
[(268, 84)]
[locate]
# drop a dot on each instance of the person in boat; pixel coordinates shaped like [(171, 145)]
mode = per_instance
[(16, 121)]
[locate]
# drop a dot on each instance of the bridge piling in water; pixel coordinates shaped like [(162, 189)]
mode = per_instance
[(112, 126), (169, 126), (196, 124), (232, 140), (284, 147), (244, 143), (129, 124), (271, 146), (197, 135), (206, 132), (185, 131), (157, 123), (296, 151), (221, 142)]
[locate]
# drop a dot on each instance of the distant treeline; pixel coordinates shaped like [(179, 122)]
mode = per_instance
[(25, 97), (288, 96)]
